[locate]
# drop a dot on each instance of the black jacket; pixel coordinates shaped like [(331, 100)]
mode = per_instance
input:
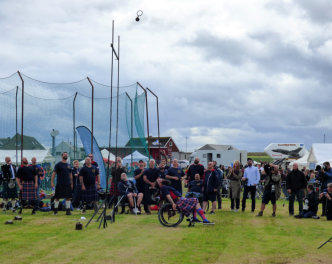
[(126, 187), (211, 181), (312, 202), (6, 172), (295, 180)]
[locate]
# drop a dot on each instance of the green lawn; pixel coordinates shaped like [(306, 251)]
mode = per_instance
[(236, 238), (261, 158)]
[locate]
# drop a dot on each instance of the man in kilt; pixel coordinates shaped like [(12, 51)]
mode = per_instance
[(77, 185), (87, 176), (185, 205), (9, 184), (64, 184), (27, 180), (116, 172)]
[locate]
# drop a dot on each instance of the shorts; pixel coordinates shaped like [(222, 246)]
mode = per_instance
[(269, 196), (209, 197)]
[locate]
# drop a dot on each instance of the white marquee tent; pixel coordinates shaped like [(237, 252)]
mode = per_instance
[(39, 154), (105, 152), (319, 153), (136, 157)]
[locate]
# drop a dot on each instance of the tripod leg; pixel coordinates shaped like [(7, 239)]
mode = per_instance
[(329, 240), (95, 213)]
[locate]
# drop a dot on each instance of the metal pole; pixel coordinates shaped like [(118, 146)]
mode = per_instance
[(22, 114), (131, 127), (92, 106), (111, 111), (117, 101), (159, 154), (147, 116), (74, 124), (16, 127)]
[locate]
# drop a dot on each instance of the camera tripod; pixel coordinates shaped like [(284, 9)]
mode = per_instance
[(327, 241)]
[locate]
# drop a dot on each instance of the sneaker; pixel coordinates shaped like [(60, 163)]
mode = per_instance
[(68, 212), (260, 214), (315, 217), (207, 222), (212, 212), (273, 214), (196, 220)]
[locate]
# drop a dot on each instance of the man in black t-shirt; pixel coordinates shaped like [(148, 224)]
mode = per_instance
[(27, 181), (64, 184), (140, 184), (87, 176), (175, 174), (150, 177), (116, 172)]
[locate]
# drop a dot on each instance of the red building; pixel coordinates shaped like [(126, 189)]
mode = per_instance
[(159, 149)]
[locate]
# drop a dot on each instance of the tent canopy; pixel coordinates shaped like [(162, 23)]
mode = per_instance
[(135, 157), (319, 153), (105, 153), (29, 154)]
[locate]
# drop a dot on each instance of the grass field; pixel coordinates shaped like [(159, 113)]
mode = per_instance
[(236, 238), (261, 158)]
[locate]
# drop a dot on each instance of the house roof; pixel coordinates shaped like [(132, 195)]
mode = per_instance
[(30, 143), (217, 147), (137, 142)]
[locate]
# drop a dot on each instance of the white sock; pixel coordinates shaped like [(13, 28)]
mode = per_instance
[(56, 204), (67, 204)]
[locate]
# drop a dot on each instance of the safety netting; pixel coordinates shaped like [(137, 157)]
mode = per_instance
[(51, 112)]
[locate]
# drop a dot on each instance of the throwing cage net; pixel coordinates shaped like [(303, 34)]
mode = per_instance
[(50, 112)]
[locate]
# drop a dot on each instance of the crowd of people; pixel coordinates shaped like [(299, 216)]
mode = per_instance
[(154, 183)]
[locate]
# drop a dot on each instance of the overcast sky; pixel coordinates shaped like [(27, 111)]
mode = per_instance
[(246, 73)]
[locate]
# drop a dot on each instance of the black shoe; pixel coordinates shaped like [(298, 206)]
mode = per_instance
[(212, 212), (33, 212), (243, 210), (291, 214), (148, 212), (68, 212), (273, 214), (297, 216), (260, 213), (55, 211)]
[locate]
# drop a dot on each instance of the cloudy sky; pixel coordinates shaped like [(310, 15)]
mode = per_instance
[(246, 73)]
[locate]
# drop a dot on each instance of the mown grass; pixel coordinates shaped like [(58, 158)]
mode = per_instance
[(261, 158), (236, 238)]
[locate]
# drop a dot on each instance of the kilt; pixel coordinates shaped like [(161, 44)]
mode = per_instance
[(187, 205), (114, 190), (90, 194), (29, 192), (63, 191), (8, 193)]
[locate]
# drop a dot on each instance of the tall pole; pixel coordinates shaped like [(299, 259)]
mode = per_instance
[(147, 115), (92, 106), (16, 127), (131, 127), (74, 124), (324, 138), (117, 101), (22, 114), (186, 144), (159, 154)]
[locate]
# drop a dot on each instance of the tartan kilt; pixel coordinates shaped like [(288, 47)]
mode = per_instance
[(114, 190), (90, 194), (187, 205), (29, 192), (8, 193), (63, 191)]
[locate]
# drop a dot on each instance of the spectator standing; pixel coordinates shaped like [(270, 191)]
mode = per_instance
[(250, 179), (296, 183), (235, 176)]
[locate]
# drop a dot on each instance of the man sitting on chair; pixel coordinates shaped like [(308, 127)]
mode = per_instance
[(128, 188)]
